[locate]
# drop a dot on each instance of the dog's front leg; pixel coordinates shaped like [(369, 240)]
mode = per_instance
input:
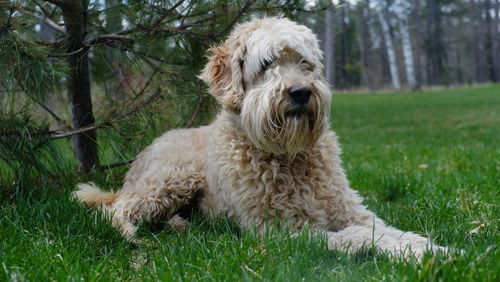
[(385, 238)]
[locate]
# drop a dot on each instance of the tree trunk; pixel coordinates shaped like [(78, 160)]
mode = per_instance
[(342, 81), (497, 37), (460, 76), (391, 54), (407, 49), (418, 35), (84, 144), (477, 41), (435, 47), (329, 47), (489, 44), (364, 37)]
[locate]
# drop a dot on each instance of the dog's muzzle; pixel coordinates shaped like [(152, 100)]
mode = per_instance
[(300, 94)]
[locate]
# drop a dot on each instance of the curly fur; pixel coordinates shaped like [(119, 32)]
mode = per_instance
[(261, 159)]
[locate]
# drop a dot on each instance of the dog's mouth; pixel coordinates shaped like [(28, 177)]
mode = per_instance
[(296, 113)]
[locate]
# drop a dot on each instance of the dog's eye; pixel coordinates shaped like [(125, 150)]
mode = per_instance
[(307, 66), (265, 64)]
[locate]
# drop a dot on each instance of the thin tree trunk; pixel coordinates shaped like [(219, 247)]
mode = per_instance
[(435, 47), (489, 44), (407, 50), (391, 54), (84, 144), (342, 81), (329, 46), (478, 51), (460, 76), (497, 37), (364, 37), (416, 17)]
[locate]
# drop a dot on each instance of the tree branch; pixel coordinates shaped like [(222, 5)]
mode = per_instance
[(45, 19), (107, 38), (247, 5), (57, 134), (167, 12), (111, 122)]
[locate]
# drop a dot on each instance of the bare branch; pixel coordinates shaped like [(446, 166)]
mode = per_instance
[(67, 54), (20, 133), (45, 19), (81, 130)]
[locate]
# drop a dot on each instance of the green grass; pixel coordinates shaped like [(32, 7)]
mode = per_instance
[(427, 162)]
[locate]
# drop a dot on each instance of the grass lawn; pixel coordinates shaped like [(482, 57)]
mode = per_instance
[(427, 162)]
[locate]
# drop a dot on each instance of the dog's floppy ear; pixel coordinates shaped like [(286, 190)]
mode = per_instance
[(223, 77)]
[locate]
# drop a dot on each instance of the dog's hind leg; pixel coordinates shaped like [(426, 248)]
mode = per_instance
[(158, 202), (153, 205)]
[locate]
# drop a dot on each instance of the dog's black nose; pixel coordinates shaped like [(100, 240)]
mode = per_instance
[(300, 94)]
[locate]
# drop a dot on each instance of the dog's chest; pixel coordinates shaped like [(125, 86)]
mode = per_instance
[(257, 187)]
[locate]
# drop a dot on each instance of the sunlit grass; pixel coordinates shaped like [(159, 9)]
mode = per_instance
[(428, 162)]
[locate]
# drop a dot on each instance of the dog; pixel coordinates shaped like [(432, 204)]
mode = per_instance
[(268, 160)]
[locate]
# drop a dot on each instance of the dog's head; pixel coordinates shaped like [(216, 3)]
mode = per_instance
[(269, 73)]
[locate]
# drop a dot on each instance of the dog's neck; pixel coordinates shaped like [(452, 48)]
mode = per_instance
[(229, 122)]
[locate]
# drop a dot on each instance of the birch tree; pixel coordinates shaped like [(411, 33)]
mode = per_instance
[(406, 43), (391, 54)]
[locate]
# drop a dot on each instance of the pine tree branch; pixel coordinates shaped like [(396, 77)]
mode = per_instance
[(120, 37), (245, 7), (60, 121), (169, 11), (108, 38), (59, 133), (8, 23), (196, 111), (132, 111)]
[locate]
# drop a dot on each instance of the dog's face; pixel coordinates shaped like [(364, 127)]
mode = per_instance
[(269, 72)]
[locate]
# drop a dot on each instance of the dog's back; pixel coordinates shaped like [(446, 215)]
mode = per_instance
[(179, 149)]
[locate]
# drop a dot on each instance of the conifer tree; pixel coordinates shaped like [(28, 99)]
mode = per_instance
[(147, 50)]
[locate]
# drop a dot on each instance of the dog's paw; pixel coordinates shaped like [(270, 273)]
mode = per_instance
[(178, 223)]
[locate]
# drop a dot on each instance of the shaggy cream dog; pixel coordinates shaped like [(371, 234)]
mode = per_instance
[(268, 160)]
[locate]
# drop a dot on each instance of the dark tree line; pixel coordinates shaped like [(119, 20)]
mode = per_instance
[(421, 43)]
